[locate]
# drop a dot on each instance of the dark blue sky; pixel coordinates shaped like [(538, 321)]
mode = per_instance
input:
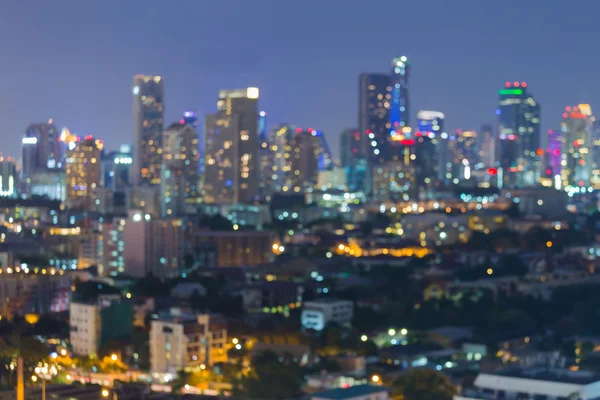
[(73, 60)]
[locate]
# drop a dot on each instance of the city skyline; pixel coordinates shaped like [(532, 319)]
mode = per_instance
[(457, 77)]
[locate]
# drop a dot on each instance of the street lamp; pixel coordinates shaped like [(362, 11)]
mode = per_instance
[(114, 357), (43, 373), (106, 393)]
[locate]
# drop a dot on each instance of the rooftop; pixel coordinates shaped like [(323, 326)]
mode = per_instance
[(550, 374), (353, 391)]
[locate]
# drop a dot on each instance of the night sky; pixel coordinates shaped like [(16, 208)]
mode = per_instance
[(73, 60)]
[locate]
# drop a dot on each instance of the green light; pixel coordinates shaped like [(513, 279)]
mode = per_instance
[(510, 91)]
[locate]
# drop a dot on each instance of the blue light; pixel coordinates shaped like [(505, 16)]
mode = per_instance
[(498, 112), (228, 182)]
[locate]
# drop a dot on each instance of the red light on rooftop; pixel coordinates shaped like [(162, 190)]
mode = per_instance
[(540, 152), (548, 171), (8, 158), (298, 130), (507, 84), (516, 84), (575, 108), (565, 115), (567, 108), (181, 121), (492, 171), (549, 131), (523, 84), (310, 130)]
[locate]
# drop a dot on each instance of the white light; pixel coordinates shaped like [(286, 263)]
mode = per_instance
[(262, 113), (72, 145), (467, 172), (29, 140), (147, 217), (429, 115), (137, 217), (403, 58), (252, 93), (136, 90)]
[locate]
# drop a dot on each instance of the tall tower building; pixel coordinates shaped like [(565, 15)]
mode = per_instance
[(179, 183), (354, 165), (577, 145), (487, 146), (399, 111), (148, 111), (427, 149), (266, 157), (8, 178), (303, 163), (374, 117), (41, 148), (231, 172), (83, 171), (518, 134)]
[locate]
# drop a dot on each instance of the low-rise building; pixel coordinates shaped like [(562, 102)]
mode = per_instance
[(534, 383), (359, 392), (316, 314), (181, 339), (93, 324)]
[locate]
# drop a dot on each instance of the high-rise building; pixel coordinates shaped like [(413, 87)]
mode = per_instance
[(41, 148), (179, 183), (303, 172), (116, 166), (266, 157), (399, 108), (430, 126), (153, 246), (148, 111), (353, 163), (577, 145), (519, 135), (487, 146), (83, 171), (374, 117), (231, 172), (8, 178), (553, 156)]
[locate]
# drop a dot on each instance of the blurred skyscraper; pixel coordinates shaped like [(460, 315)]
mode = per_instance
[(41, 148), (179, 180), (487, 146), (8, 178), (399, 109), (354, 165), (374, 117), (430, 126), (577, 145), (83, 171), (266, 157), (148, 111), (519, 135), (231, 172)]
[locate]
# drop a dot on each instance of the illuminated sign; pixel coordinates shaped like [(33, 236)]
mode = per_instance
[(504, 92), (29, 140), (123, 160), (492, 171), (252, 93), (429, 115)]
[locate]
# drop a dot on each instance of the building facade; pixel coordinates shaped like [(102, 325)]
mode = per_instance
[(375, 98), (148, 112), (231, 171), (317, 314), (183, 340), (179, 183), (518, 134), (577, 145), (83, 171)]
